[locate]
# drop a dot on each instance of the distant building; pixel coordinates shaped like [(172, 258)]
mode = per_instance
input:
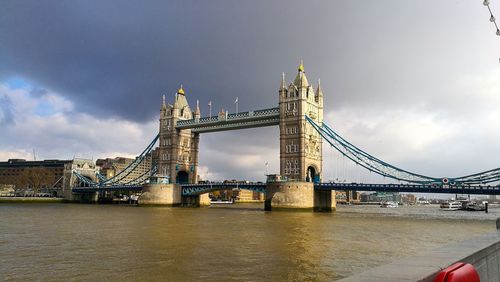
[(408, 199), (248, 196), (239, 195), (380, 197), (51, 176), (347, 196), (225, 195), (111, 167), (364, 197), (7, 190)]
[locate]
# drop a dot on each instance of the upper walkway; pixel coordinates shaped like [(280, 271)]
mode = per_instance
[(251, 119)]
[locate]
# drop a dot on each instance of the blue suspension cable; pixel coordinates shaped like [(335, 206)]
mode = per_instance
[(384, 169)]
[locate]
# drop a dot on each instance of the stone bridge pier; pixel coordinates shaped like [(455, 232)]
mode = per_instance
[(170, 195), (298, 196)]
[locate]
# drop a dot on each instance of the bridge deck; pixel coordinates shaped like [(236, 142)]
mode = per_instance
[(195, 189), (107, 188), (411, 188)]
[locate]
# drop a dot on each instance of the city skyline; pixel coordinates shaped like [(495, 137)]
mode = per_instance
[(415, 84)]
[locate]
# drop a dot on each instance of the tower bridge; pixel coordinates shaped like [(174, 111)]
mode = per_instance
[(300, 144), (299, 116)]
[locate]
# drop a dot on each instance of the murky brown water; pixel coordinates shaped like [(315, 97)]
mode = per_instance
[(238, 242)]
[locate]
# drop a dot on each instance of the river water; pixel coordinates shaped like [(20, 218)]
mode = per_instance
[(227, 242)]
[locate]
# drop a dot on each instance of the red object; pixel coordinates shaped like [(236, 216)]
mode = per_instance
[(458, 272)]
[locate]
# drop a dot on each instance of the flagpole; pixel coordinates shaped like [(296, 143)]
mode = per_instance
[(210, 108), (236, 102)]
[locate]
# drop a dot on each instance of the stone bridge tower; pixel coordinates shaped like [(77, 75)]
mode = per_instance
[(300, 144), (178, 156)]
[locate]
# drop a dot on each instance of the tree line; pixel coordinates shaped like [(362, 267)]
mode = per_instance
[(34, 179)]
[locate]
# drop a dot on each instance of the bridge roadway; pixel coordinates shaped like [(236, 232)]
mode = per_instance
[(91, 189), (196, 189), (412, 188)]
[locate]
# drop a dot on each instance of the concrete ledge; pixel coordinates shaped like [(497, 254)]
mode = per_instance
[(159, 205), (249, 201), (29, 200), (483, 252), (196, 200)]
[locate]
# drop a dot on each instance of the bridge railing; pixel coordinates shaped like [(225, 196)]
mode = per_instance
[(230, 117), (414, 188)]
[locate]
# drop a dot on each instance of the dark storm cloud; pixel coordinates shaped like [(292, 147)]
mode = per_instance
[(118, 58)]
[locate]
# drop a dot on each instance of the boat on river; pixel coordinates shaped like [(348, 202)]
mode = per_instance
[(389, 204), (472, 206), (451, 206), (222, 201)]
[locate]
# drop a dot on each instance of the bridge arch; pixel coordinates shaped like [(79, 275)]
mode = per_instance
[(182, 177), (312, 173)]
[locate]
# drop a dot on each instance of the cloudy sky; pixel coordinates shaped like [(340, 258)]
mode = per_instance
[(415, 83)]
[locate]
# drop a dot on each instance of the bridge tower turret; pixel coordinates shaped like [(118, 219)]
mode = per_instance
[(197, 112), (300, 144), (178, 158)]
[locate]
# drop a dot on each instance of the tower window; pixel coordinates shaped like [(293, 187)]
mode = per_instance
[(291, 130), (291, 106)]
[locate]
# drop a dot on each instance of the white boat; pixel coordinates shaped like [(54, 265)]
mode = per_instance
[(451, 206), (389, 204), (423, 202), (222, 202)]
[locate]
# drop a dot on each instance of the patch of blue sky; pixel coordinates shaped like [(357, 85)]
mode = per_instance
[(44, 109), (17, 82)]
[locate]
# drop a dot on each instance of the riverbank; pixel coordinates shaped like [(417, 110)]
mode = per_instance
[(29, 200)]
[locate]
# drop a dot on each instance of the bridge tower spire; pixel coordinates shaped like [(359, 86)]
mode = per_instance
[(300, 144), (197, 112), (283, 83), (178, 159)]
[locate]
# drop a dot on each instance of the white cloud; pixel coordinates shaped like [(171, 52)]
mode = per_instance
[(455, 139), (64, 133), (16, 154)]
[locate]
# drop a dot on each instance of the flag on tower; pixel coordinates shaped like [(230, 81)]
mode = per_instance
[(210, 103), (236, 101)]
